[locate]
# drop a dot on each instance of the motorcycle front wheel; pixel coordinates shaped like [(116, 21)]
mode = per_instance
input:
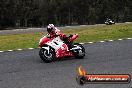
[(46, 56)]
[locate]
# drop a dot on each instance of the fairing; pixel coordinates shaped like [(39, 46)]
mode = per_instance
[(61, 49)]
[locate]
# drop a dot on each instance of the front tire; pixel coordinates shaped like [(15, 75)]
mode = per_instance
[(45, 56)]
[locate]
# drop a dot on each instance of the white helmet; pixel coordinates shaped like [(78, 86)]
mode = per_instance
[(50, 28)]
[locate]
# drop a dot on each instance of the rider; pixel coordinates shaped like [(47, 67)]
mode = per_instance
[(54, 31)]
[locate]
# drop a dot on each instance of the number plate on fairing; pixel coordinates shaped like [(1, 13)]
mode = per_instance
[(56, 43)]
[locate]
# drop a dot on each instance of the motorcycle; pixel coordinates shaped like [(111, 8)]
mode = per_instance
[(52, 48), (109, 22)]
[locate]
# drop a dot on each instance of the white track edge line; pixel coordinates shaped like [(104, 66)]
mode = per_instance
[(79, 43), (19, 49), (129, 38), (120, 39), (9, 50), (30, 48), (110, 40), (101, 41)]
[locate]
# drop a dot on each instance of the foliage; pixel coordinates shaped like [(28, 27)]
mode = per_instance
[(30, 13)]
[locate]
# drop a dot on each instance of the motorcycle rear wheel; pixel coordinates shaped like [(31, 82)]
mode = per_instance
[(76, 53)]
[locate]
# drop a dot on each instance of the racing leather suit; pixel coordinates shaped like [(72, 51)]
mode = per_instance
[(62, 36)]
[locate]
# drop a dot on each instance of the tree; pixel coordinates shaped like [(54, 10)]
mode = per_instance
[(37, 13)]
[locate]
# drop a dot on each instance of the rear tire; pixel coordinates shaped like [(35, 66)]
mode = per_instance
[(77, 52), (43, 53)]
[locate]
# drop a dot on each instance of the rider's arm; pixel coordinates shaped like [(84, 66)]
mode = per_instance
[(62, 36)]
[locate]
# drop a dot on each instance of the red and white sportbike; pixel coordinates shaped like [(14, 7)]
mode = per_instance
[(55, 48)]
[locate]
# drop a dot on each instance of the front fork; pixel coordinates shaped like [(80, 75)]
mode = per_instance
[(46, 48)]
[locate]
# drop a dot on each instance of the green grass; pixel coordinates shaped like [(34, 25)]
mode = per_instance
[(86, 34), (103, 32), (19, 41)]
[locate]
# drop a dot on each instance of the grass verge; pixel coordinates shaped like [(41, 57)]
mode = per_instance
[(86, 34)]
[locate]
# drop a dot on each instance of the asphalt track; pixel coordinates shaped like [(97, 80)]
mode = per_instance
[(24, 69)]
